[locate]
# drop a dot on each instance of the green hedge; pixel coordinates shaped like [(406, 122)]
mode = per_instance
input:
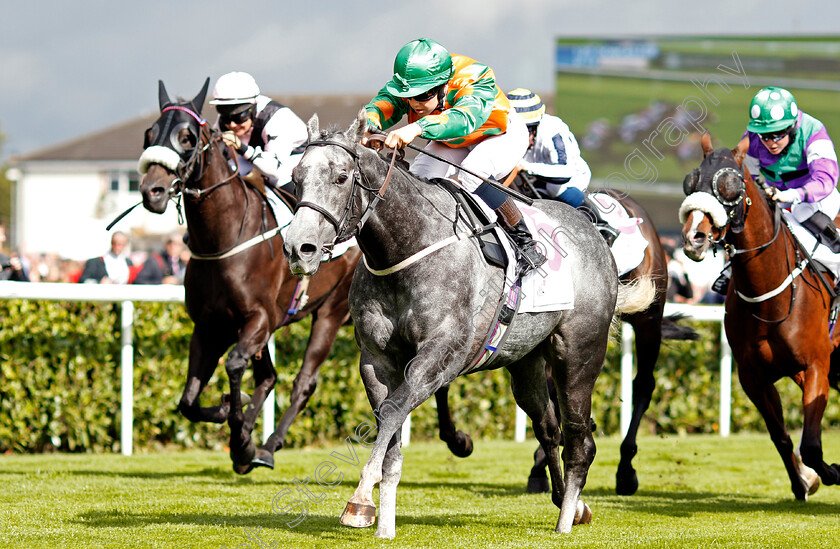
[(60, 385)]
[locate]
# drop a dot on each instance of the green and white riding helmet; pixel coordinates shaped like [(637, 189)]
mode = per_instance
[(420, 65), (772, 109)]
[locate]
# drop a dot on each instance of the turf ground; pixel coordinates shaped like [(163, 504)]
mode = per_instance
[(696, 491)]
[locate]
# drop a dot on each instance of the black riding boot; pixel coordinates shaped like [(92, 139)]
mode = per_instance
[(824, 229), (528, 256), (593, 211)]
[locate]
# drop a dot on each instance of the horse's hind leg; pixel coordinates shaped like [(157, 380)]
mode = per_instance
[(814, 397), (527, 379), (325, 326), (648, 341), (574, 376), (766, 400), (459, 442)]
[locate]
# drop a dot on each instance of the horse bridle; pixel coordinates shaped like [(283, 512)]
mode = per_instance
[(342, 226)]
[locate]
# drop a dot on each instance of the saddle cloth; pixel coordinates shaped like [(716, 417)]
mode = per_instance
[(284, 218), (630, 244), (822, 253)]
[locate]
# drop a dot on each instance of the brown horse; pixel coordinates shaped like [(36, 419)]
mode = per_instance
[(650, 327), (239, 289), (777, 305)]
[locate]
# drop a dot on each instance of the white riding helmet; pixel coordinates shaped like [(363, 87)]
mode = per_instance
[(235, 88)]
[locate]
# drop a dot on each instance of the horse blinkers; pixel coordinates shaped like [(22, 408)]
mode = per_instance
[(730, 189)]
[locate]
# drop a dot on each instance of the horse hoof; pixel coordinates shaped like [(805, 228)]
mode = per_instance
[(462, 446), (626, 483), (537, 485), (242, 459), (583, 514), (358, 515), (263, 458), (243, 469)]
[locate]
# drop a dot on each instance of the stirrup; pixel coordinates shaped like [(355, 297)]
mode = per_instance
[(608, 232), (528, 258)]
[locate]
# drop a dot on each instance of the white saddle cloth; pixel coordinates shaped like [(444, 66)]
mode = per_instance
[(630, 245)]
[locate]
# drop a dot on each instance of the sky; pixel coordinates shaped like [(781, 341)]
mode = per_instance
[(71, 68)]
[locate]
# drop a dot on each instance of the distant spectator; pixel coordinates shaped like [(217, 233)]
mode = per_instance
[(679, 285), (112, 268), (166, 267), (11, 267)]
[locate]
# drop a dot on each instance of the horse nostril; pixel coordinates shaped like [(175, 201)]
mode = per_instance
[(308, 249), (699, 238)]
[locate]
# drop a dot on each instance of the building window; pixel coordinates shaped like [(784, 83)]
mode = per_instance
[(133, 181), (124, 181)]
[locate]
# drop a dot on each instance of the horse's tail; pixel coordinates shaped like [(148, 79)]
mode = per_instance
[(672, 329), (635, 295)]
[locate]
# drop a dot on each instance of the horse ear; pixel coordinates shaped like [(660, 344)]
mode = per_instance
[(163, 97), (357, 129), (706, 143), (740, 150), (198, 101), (312, 127)]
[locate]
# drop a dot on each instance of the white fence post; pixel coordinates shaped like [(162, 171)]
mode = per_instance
[(725, 384), (127, 379), (270, 402), (627, 334)]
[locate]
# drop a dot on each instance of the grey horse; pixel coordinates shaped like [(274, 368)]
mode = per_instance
[(421, 327)]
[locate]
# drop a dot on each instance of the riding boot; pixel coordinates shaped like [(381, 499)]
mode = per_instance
[(824, 229), (591, 208), (721, 284), (528, 256)]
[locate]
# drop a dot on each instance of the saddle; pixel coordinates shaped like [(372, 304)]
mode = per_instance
[(476, 217)]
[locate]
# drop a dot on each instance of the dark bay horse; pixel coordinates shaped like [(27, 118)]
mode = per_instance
[(416, 321), (650, 328), (777, 308), (239, 289)]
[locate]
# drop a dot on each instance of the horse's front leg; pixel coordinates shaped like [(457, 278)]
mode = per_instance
[(252, 338), (325, 326), (206, 347), (814, 398), (765, 397), (392, 400), (459, 442)]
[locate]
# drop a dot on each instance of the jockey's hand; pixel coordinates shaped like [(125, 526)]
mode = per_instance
[(398, 139), (232, 140), (789, 196), (369, 130)]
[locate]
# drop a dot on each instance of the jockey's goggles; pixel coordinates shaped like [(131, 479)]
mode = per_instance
[(774, 137)]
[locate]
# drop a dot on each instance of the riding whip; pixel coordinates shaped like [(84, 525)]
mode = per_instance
[(125, 213), (495, 184)]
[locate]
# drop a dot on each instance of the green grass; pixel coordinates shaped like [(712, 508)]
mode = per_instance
[(696, 491)]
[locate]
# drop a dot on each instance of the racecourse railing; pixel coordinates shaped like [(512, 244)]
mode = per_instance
[(127, 295)]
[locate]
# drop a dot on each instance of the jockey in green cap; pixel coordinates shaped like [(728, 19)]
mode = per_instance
[(454, 102)]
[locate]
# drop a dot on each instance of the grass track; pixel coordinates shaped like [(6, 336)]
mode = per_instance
[(696, 491)]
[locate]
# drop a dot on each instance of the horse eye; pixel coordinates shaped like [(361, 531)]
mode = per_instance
[(341, 178), (186, 139)]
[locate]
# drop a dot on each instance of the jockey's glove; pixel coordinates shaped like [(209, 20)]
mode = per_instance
[(790, 196)]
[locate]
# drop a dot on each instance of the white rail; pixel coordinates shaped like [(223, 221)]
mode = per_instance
[(127, 295)]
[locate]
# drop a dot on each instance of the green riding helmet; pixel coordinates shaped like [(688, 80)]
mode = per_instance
[(420, 65), (772, 109)]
